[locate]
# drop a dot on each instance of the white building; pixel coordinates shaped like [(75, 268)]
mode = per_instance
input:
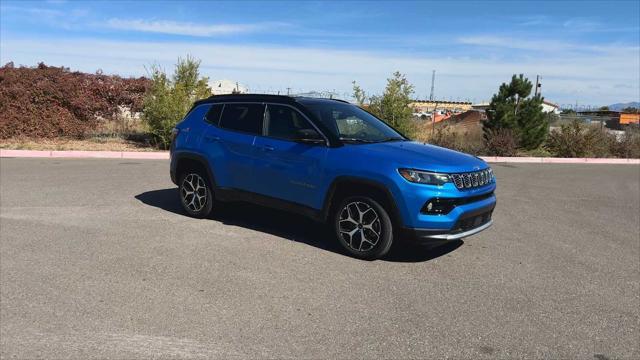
[(221, 87), (549, 107)]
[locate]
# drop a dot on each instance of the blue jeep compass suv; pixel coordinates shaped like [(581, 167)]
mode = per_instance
[(331, 161)]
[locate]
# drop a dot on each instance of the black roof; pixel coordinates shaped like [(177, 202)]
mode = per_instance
[(285, 99)]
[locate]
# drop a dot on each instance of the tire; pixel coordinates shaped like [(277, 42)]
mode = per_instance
[(363, 227), (196, 193)]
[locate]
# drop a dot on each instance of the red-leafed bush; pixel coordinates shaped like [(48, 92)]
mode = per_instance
[(48, 102)]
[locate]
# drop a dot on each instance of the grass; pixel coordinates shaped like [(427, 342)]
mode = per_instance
[(122, 134)]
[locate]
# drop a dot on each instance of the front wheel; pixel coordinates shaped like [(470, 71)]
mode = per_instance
[(363, 227)]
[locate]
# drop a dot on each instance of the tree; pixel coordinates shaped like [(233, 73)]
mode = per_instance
[(393, 105), (168, 100), (604, 108), (630, 109), (359, 94), (513, 109)]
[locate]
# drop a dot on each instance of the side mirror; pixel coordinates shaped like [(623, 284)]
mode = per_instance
[(309, 136)]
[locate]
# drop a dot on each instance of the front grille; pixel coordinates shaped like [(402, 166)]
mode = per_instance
[(473, 179)]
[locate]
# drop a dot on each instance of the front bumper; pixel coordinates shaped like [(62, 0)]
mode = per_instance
[(469, 224)]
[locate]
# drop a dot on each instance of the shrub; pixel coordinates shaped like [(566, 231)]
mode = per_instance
[(539, 152), (48, 102), (501, 142), (579, 140), (629, 145), (168, 100), (468, 140)]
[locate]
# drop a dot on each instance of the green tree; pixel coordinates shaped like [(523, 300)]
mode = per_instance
[(393, 105), (169, 99), (359, 94), (604, 108), (512, 108), (630, 109)]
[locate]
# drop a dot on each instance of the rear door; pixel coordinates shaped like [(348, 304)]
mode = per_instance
[(229, 144), (287, 168)]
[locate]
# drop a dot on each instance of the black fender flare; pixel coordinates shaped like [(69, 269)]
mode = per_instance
[(354, 180), (181, 156)]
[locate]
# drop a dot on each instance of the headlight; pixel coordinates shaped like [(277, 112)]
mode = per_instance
[(424, 177)]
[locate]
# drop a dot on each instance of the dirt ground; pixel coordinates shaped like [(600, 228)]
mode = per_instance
[(92, 144)]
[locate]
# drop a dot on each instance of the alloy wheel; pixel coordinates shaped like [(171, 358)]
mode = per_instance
[(194, 192), (360, 226)]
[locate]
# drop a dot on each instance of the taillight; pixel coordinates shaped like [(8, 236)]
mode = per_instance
[(174, 133)]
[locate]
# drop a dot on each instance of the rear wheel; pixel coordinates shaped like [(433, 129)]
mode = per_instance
[(196, 194), (363, 227)]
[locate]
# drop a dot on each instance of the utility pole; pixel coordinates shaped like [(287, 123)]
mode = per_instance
[(433, 119), (538, 86), (433, 80), (288, 91)]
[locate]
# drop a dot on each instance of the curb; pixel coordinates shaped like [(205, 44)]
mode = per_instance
[(163, 155), (552, 160)]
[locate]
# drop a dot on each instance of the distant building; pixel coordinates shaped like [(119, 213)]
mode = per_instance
[(613, 119), (429, 106), (480, 106), (629, 118), (547, 107), (468, 119), (550, 107), (221, 87)]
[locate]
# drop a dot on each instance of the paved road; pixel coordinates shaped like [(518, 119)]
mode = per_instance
[(98, 260)]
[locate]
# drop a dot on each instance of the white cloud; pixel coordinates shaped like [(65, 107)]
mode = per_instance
[(64, 19), (542, 45), (185, 28), (567, 77), (589, 25)]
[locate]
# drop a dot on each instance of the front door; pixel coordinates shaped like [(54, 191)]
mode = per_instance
[(289, 166)]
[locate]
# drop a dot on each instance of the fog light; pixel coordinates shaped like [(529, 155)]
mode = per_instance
[(438, 206)]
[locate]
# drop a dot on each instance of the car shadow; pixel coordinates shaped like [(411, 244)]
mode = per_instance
[(290, 226)]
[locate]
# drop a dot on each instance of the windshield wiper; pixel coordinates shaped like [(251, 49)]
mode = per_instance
[(391, 139), (350, 139)]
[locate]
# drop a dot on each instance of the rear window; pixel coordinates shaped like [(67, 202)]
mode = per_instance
[(213, 116), (243, 117)]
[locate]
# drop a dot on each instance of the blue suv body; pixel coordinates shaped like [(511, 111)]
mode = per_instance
[(332, 161)]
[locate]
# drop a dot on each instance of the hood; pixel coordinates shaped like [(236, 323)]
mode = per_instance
[(415, 155)]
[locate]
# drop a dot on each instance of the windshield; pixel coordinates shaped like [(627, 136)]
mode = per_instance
[(352, 124)]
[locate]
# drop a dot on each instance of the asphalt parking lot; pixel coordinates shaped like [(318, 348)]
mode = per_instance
[(97, 260)]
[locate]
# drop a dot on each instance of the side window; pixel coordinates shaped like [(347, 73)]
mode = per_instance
[(243, 117), (350, 125), (213, 116), (286, 123)]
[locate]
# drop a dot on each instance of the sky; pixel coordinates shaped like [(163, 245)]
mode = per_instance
[(585, 52)]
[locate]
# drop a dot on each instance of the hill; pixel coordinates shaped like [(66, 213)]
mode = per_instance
[(620, 106)]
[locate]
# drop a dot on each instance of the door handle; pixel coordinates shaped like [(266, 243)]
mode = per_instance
[(267, 148), (211, 138)]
